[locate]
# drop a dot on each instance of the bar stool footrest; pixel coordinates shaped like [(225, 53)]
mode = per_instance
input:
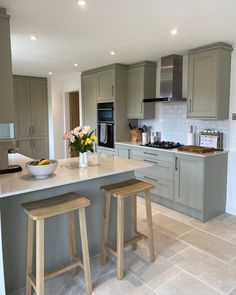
[(77, 262)]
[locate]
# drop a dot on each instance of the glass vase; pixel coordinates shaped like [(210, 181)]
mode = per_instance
[(83, 160)]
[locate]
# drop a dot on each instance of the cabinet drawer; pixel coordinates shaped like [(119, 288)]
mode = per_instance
[(160, 169), (163, 188), (152, 155)]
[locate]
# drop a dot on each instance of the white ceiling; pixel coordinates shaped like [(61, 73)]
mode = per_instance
[(136, 29)]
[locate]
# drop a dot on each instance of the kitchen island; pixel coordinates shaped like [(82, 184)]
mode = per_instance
[(18, 188)]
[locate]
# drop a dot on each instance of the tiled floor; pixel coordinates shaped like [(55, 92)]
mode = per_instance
[(191, 258)]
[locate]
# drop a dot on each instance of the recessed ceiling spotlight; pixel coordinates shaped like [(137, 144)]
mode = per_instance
[(50, 73), (33, 37), (174, 32), (112, 53), (82, 2), (76, 65)]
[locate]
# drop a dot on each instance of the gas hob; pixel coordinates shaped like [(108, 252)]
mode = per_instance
[(163, 145)]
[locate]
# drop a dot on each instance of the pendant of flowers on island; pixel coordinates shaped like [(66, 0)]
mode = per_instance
[(81, 139)]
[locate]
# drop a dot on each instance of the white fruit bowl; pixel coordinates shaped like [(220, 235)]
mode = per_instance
[(42, 171)]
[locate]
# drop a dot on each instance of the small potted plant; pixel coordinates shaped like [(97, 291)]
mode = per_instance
[(81, 139)]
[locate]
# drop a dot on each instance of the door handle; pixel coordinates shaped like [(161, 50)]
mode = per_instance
[(190, 105), (112, 90), (176, 164), (150, 178), (150, 161), (141, 107)]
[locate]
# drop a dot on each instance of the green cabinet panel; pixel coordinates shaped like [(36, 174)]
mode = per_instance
[(141, 84), (30, 95), (7, 110), (89, 100), (209, 81), (106, 85), (189, 173), (123, 151)]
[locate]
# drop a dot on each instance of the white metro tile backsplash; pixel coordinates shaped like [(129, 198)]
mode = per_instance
[(172, 122)]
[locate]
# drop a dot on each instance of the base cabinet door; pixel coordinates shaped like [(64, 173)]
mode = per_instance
[(123, 152), (189, 180), (25, 147)]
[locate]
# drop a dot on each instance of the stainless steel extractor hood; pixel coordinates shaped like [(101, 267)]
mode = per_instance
[(170, 80)]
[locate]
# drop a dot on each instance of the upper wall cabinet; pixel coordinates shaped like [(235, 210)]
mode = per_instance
[(209, 81), (7, 110), (141, 84), (106, 85)]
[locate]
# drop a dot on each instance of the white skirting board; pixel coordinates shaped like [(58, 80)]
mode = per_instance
[(2, 281), (231, 210)]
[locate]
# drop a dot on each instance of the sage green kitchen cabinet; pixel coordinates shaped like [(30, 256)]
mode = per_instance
[(7, 110), (89, 100), (123, 151), (209, 81), (30, 96), (106, 85), (141, 84), (189, 180)]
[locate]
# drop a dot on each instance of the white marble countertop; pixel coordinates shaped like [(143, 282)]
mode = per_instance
[(67, 172), (176, 151)]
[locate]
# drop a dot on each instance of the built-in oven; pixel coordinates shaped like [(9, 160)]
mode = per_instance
[(105, 112), (106, 124)]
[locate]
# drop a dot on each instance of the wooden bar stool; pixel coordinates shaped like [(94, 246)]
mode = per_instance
[(122, 190), (38, 211)]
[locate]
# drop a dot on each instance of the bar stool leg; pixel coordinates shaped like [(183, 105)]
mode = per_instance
[(149, 225), (72, 238), (106, 215), (120, 238), (29, 261), (85, 250), (134, 220), (40, 257)]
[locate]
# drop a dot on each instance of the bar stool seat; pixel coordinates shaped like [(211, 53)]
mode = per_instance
[(121, 191), (38, 211)]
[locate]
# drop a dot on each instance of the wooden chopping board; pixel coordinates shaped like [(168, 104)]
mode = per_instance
[(196, 149)]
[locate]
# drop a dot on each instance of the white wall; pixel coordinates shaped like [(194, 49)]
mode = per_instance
[(58, 88)]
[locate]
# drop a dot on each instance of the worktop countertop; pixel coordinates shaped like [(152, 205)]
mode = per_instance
[(175, 151), (67, 172)]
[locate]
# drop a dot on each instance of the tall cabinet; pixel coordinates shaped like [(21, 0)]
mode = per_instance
[(30, 95), (106, 84)]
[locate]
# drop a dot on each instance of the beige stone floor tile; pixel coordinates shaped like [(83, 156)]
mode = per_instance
[(169, 225), (233, 240), (216, 228), (217, 247), (226, 218), (98, 270), (61, 285), (233, 292), (129, 285), (153, 274), (206, 268), (185, 284), (165, 245), (233, 263)]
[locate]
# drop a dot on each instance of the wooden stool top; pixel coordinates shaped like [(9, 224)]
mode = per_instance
[(55, 206), (127, 188)]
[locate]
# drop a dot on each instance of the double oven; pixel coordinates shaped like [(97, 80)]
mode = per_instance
[(105, 124)]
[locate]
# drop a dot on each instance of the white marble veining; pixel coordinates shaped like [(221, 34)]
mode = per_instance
[(67, 172), (175, 151)]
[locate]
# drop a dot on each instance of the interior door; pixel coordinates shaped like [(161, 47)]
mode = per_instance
[(74, 115)]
